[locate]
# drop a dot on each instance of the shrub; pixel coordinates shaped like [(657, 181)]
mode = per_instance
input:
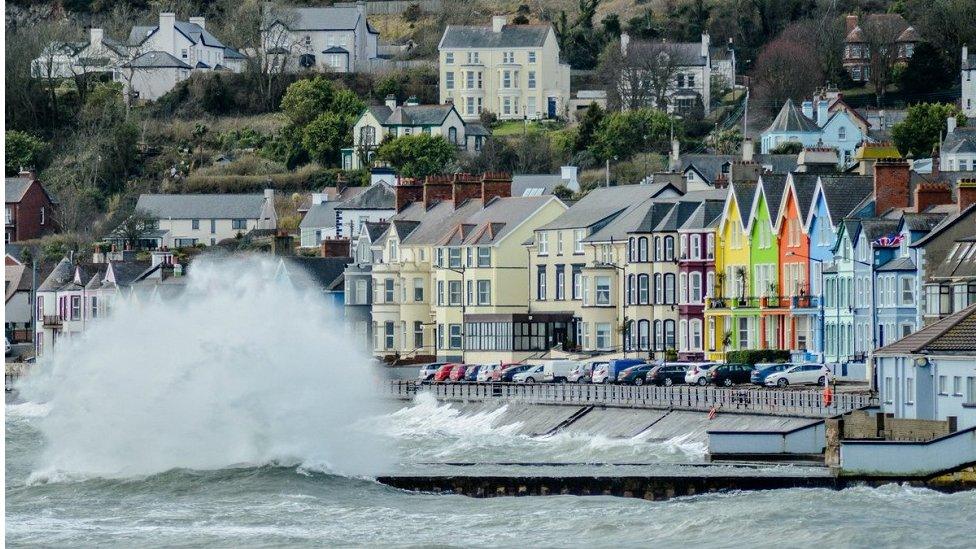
[(755, 356)]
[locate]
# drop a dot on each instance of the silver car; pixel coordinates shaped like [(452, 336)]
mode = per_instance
[(531, 375)]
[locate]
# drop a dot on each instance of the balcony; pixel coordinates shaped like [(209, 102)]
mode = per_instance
[(52, 321), (804, 302)]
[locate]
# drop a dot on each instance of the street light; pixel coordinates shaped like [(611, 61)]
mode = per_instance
[(823, 334)]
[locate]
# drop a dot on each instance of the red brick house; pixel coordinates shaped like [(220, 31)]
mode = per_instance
[(29, 209), (890, 28)]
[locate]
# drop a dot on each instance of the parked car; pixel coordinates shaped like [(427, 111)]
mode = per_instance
[(472, 372), (499, 374), (635, 375), (762, 371), (487, 372), (798, 375), (609, 372), (730, 374), (444, 373), (667, 374), (583, 373), (428, 371), (697, 373), (532, 374), (457, 372), (508, 373), (558, 371), (6, 346)]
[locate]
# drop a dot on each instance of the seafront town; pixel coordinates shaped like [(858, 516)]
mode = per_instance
[(576, 226)]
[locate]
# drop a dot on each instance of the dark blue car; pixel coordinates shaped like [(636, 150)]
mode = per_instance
[(471, 374), (507, 373), (761, 372)]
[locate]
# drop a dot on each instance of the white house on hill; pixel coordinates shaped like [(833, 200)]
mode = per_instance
[(336, 39)]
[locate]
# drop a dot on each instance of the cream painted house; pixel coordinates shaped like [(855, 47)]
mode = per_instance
[(391, 120), (336, 39), (452, 275), (190, 219), (510, 70)]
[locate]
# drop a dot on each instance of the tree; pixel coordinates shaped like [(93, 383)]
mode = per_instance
[(881, 35), (417, 155), (789, 147), (135, 227), (785, 70), (947, 24), (326, 135), (643, 77), (621, 135), (23, 150), (918, 134), (926, 71), (306, 99), (588, 124), (76, 209), (725, 141)]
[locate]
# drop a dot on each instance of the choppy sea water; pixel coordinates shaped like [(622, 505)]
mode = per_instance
[(290, 505)]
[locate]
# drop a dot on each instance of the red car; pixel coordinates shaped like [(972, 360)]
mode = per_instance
[(457, 373), (497, 374), (443, 373)]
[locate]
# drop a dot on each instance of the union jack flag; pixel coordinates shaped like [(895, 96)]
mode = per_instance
[(888, 241)]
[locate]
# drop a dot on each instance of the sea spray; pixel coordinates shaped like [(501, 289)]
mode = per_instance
[(247, 366)]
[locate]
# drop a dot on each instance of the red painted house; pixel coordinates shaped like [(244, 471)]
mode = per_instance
[(29, 211)]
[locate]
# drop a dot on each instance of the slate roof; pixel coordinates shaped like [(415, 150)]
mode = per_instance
[(196, 34), (511, 36), (404, 227), (320, 215), (962, 140), (706, 214), (327, 18), (500, 217), (953, 334), (949, 221), (602, 203), (321, 271), (805, 186), (474, 128), (774, 185), (628, 221), (376, 197), (745, 192), (898, 264), (535, 184), (922, 222), (375, 229), (14, 188), (63, 273), (844, 193), (791, 119), (231, 53), (127, 272), (202, 206), (686, 54), (156, 60), (960, 263), (434, 222), (418, 115), (710, 165)]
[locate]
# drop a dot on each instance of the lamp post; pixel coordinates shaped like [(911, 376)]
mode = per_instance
[(823, 314)]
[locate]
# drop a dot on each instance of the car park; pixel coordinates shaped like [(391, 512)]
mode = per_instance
[(667, 374), (458, 371), (801, 374), (697, 373), (487, 372), (761, 371), (730, 374), (635, 375), (531, 374), (428, 371), (500, 374), (444, 373), (508, 373), (471, 374), (608, 373), (558, 371), (584, 372)]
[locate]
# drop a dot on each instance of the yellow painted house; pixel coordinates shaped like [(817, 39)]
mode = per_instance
[(725, 328)]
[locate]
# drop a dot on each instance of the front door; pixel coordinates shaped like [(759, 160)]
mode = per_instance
[(552, 107)]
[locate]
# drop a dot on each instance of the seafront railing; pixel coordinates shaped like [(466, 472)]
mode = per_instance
[(799, 402)]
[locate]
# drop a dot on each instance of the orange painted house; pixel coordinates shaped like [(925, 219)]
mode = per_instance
[(800, 294)]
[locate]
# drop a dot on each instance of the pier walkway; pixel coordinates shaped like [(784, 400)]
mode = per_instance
[(797, 403)]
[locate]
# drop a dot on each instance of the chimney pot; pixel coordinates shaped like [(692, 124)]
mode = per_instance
[(892, 182)]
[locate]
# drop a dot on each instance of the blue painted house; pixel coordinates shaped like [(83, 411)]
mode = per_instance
[(817, 123)]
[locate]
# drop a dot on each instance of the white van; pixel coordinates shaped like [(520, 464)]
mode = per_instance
[(558, 371)]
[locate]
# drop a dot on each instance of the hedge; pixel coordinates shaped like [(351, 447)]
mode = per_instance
[(756, 356)]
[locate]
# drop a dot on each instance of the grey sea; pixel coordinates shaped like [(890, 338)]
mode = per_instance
[(278, 504)]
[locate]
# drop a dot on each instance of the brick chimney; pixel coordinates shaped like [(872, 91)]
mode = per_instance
[(438, 188), (931, 194), (335, 247), (967, 193), (741, 170), (466, 187), (495, 184), (892, 182), (407, 190)]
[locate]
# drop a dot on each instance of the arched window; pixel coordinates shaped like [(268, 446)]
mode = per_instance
[(644, 332), (683, 288), (683, 247), (710, 284), (669, 288), (643, 281), (658, 249), (683, 335), (669, 248), (695, 335), (669, 334), (658, 289), (696, 246), (658, 335), (631, 290), (452, 135), (631, 337), (632, 250), (642, 249)]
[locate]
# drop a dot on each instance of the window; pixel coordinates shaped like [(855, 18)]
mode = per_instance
[(469, 102), (669, 248), (484, 256), (388, 330), (440, 292), (695, 335), (360, 292), (956, 386), (710, 246), (455, 330), (449, 58), (449, 80), (484, 292), (195, 224), (909, 390), (669, 288), (237, 224), (508, 57), (560, 282), (943, 385), (531, 80), (577, 281), (454, 258), (454, 292), (543, 242), (506, 79), (388, 290), (971, 390), (418, 290), (541, 283), (603, 335), (531, 57), (578, 236), (695, 246), (452, 135), (842, 133), (643, 283), (473, 58), (658, 289), (642, 249), (559, 243), (418, 334), (694, 288), (470, 299), (469, 79), (683, 288), (669, 342), (603, 290), (94, 306)]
